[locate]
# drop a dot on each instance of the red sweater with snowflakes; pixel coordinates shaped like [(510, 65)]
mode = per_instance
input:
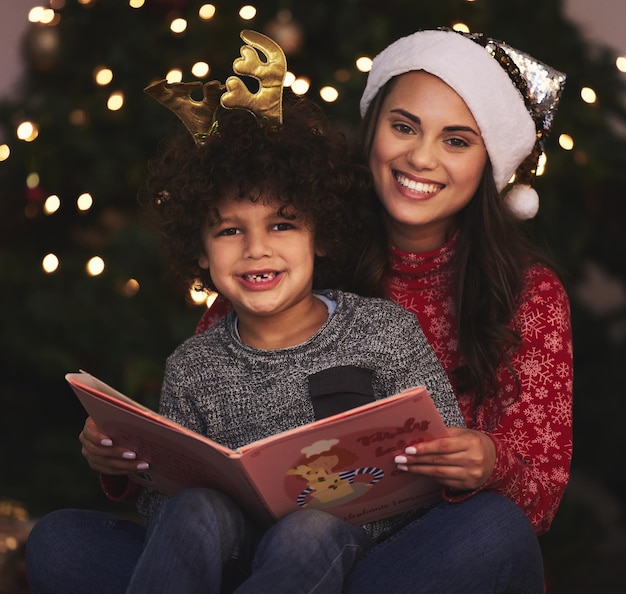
[(532, 430)]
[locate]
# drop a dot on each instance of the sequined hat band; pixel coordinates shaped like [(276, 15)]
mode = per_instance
[(511, 96)]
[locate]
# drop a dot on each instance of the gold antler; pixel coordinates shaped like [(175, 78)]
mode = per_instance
[(198, 116), (267, 101)]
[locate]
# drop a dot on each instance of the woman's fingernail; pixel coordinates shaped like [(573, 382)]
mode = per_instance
[(403, 467), (410, 450), (106, 442), (129, 455), (143, 466), (400, 460)]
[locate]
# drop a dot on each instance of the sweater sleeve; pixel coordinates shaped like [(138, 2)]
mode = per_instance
[(530, 420), (118, 487)]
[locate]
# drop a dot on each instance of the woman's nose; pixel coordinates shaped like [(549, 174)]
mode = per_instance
[(421, 154)]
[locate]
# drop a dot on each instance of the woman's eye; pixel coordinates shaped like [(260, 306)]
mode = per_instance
[(402, 128), (457, 142)]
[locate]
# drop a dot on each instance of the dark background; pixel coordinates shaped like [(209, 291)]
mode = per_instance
[(54, 323)]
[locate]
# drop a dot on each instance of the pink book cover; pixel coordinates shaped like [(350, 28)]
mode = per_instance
[(342, 464)]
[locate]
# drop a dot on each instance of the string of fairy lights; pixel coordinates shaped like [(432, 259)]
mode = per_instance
[(103, 76)]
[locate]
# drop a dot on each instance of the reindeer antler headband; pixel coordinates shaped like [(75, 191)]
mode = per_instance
[(200, 117)]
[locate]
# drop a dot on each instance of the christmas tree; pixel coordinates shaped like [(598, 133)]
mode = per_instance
[(83, 285)]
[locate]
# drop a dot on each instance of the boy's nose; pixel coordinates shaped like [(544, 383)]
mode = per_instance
[(257, 246)]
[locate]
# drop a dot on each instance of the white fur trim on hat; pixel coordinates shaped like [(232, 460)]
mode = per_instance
[(507, 129)]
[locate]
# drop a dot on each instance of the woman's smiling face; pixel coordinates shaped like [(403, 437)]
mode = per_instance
[(427, 160)]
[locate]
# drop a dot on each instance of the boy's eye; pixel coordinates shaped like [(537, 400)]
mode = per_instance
[(228, 231), (282, 226)]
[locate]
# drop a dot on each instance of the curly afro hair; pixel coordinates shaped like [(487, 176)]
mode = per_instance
[(303, 164)]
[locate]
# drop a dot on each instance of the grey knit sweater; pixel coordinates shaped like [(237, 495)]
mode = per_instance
[(235, 394)]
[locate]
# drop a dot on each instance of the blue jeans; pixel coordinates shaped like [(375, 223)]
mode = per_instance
[(197, 541), (483, 544)]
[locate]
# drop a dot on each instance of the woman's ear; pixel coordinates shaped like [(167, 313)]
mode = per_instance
[(319, 252)]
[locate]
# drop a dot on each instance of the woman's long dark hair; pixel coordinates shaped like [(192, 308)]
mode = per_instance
[(493, 251)]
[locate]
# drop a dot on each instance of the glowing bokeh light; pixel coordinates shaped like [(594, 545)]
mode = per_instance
[(462, 27), (178, 26), (50, 263), (207, 11), (364, 64), (27, 131), (84, 202), (131, 287), (115, 101), (566, 142), (542, 163), (174, 76), (51, 204), (247, 12), (41, 14), (103, 76), (32, 180), (588, 95), (300, 86), (329, 94), (95, 266), (200, 69)]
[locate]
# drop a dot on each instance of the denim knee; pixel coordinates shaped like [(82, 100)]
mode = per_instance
[(196, 504), (75, 551), (513, 533), (312, 528), (201, 515)]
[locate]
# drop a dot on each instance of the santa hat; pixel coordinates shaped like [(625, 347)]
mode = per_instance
[(511, 95)]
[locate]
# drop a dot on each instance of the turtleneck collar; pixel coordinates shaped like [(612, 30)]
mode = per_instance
[(417, 265)]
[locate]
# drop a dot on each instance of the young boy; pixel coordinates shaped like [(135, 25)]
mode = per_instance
[(269, 216)]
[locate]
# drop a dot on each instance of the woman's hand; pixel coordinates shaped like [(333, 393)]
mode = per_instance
[(464, 460), (105, 457)]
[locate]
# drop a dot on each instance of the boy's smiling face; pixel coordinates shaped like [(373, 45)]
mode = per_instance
[(260, 260)]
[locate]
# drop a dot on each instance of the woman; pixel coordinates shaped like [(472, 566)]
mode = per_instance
[(447, 120)]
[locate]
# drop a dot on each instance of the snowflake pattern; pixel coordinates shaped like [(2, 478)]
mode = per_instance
[(532, 429)]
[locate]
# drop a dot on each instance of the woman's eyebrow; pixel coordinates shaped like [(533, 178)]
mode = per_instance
[(461, 129), (416, 120), (407, 114)]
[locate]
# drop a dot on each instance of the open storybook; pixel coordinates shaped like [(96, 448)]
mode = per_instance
[(342, 464)]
